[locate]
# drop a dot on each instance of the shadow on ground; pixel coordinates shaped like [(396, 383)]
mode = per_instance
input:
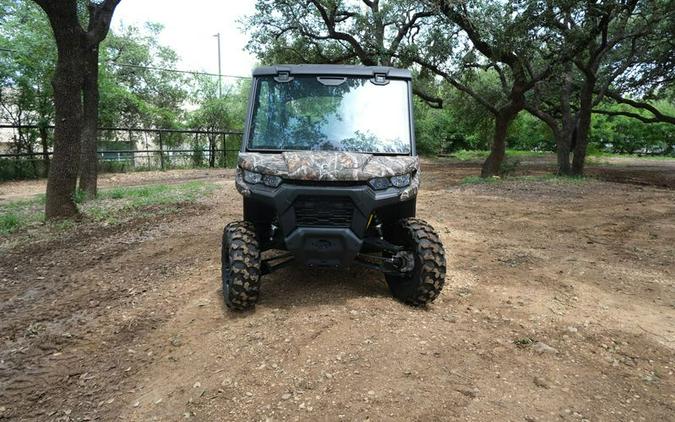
[(297, 286)]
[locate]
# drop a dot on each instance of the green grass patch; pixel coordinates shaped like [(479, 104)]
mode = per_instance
[(18, 214), (477, 180), (603, 154), (549, 178), (111, 206), (476, 155), (154, 194), (472, 155), (465, 155), (9, 223)]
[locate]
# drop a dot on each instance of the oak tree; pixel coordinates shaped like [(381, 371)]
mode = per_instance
[(75, 87)]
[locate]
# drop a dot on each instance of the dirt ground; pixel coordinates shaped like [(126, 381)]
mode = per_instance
[(128, 323)]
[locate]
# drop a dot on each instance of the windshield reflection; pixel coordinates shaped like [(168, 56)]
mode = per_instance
[(356, 115)]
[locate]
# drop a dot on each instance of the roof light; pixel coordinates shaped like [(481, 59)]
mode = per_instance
[(380, 79)]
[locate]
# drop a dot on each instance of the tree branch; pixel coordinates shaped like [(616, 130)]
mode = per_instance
[(452, 81), (329, 21), (62, 14), (641, 105), (431, 101), (100, 16), (633, 116), (404, 29), (550, 121), (448, 10)]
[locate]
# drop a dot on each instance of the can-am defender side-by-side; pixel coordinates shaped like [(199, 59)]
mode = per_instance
[(329, 174)]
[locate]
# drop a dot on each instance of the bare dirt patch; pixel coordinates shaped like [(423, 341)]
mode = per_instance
[(559, 305)]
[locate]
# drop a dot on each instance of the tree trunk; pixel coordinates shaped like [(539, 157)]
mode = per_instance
[(67, 83), (88, 156), (561, 130), (567, 132), (33, 161), (563, 142), (493, 164), (44, 140), (563, 153), (212, 151), (584, 126)]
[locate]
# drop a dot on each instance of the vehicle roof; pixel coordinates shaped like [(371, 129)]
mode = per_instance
[(333, 70)]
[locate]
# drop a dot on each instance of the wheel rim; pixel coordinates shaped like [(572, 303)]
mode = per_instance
[(410, 247), (413, 256)]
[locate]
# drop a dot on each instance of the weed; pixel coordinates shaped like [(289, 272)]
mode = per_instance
[(508, 167), (9, 222), (523, 342), (79, 196)]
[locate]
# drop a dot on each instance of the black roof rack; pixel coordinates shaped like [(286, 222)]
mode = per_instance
[(332, 70)]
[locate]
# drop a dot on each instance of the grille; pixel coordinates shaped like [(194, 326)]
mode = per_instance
[(323, 183), (323, 211)]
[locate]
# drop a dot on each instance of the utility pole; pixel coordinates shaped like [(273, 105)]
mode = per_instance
[(220, 74)]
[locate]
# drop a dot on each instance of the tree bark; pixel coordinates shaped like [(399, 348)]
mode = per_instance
[(44, 140), (212, 151), (90, 97), (562, 133), (563, 153), (493, 163), (67, 83), (583, 126)]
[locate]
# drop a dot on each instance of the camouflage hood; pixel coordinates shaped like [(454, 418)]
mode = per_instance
[(327, 166)]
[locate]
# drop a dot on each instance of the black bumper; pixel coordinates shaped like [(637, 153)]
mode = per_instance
[(324, 226)]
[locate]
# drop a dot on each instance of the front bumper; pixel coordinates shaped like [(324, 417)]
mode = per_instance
[(318, 241)]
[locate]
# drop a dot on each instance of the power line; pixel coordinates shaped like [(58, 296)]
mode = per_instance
[(162, 69), (159, 69)]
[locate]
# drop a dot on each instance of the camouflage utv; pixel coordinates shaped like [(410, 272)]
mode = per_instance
[(329, 175)]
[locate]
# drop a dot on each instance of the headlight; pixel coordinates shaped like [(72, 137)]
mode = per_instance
[(401, 181), (268, 180), (252, 177), (379, 183), (271, 181)]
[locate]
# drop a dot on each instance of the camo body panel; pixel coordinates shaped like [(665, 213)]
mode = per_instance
[(242, 187), (327, 166), (411, 191)]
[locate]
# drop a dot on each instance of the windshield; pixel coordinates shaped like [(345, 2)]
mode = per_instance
[(331, 114)]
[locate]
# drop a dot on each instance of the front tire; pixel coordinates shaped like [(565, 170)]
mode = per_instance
[(240, 259), (424, 283)]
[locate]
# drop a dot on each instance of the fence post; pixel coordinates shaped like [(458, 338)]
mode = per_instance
[(161, 151)]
